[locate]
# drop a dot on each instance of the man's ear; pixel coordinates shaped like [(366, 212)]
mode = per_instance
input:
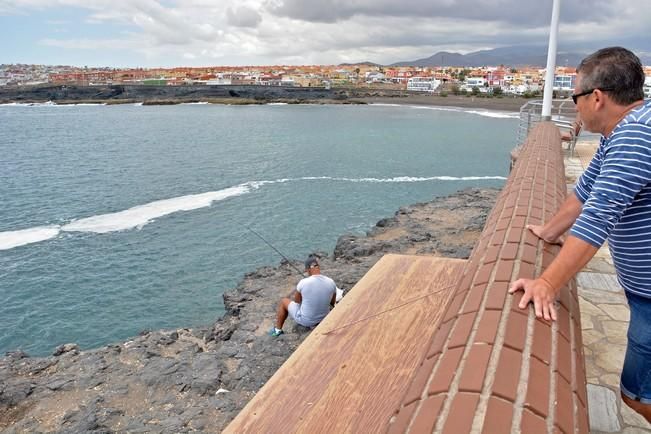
[(599, 99)]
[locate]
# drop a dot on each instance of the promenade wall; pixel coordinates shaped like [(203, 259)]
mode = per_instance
[(492, 367)]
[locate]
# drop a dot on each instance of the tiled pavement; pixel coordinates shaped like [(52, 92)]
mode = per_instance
[(604, 321)]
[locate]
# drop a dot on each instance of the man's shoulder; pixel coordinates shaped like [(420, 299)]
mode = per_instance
[(635, 128), (639, 117), (328, 279), (320, 279)]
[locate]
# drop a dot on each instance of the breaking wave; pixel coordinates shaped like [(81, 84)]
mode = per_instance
[(486, 113), (140, 215)]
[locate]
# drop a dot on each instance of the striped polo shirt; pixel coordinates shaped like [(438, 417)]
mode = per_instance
[(615, 191)]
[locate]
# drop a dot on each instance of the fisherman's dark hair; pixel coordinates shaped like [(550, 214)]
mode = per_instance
[(616, 69)]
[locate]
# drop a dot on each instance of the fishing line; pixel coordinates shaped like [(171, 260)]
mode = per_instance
[(276, 250), (388, 310)]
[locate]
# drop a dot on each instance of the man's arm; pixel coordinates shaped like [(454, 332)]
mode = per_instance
[(298, 298), (333, 300), (543, 290), (560, 223)]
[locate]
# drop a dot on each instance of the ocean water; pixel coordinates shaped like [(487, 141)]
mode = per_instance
[(116, 219)]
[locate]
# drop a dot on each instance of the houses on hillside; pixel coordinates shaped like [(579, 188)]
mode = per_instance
[(489, 79)]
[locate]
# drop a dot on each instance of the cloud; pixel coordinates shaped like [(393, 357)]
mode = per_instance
[(515, 12), (243, 17), (331, 31)]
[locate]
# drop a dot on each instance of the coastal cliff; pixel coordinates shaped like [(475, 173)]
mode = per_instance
[(233, 94), (198, 379), (239, 95)]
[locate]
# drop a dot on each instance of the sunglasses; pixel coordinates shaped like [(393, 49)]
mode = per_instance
[(575, 96)]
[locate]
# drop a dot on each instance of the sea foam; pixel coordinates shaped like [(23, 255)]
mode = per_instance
[(400, 179), (140, 215), (11, 239), (486, 113)]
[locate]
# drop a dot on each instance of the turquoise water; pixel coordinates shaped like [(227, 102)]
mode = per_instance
[(116, 219)]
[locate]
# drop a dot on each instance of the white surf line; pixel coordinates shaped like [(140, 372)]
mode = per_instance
[(140, 215), (132, 218), (486, 113), (11, 239), (399, 179)]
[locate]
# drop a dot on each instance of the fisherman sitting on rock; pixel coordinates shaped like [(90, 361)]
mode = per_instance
[(313, 298)]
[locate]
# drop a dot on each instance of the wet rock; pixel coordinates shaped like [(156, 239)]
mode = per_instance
[(66, 348), (16, 355), (386, 222), (168, 338)]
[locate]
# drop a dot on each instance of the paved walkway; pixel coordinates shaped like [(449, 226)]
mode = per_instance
[(604, 320)]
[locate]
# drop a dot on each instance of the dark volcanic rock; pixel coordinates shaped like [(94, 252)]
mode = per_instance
[(186, 380), (66, 348), (70, 94)]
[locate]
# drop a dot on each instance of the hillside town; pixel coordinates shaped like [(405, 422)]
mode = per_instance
[(523, 81)]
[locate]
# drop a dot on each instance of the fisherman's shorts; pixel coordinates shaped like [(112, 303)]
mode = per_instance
[(636, 374), (294, 310)]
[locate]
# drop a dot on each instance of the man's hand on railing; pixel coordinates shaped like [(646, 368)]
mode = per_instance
[(539, 231), (540, 293)]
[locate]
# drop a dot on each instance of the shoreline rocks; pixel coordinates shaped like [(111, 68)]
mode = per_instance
[(242, 95), (166, 95), (198, 379)]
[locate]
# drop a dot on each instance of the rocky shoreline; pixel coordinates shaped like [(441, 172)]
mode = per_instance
[(241, 95), (198, 379)]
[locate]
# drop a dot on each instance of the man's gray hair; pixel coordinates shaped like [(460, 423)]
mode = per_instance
[(616, 69)]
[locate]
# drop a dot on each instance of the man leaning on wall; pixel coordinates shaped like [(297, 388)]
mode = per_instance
[(611, 201)]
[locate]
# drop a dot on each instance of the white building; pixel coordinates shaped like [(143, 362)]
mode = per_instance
[(220, 81), (564, 82), (647, 87), (478, 82), (287, 81), (522, 88), (423, 84), (374, 77)]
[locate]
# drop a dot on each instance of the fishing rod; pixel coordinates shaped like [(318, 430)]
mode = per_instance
[(276, 250)]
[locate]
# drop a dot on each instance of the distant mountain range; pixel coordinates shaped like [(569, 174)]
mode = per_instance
[(360, 63), (509, 56)]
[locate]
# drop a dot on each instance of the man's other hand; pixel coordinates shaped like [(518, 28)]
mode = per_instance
[(540, 293)]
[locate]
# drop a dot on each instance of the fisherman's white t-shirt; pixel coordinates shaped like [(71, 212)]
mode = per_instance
[(316, 292)]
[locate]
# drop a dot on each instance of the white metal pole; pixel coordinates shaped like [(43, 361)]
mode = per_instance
[(551, 63)]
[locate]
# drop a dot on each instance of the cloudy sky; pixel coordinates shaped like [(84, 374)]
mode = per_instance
[(152, 33)]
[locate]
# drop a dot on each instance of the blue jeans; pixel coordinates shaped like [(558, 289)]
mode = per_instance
[(636, 374)]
